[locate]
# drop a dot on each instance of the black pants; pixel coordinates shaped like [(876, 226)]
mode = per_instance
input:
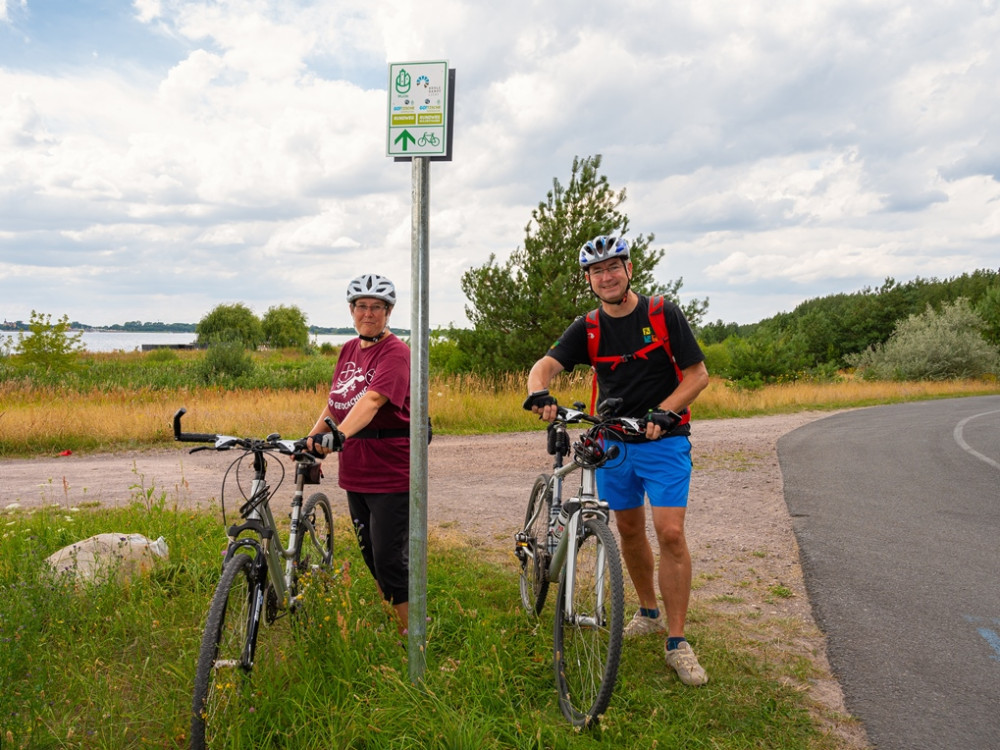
[(382, 523)]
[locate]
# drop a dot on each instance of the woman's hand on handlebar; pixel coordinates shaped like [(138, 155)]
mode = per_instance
[(325, 443)]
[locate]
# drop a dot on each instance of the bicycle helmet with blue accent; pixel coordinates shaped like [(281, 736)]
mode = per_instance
[(372, 285), (601, 249)]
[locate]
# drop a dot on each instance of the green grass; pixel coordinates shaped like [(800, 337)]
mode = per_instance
[(111, 665)]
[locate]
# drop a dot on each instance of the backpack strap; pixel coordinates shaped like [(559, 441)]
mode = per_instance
[(657, 320), (593, 326)]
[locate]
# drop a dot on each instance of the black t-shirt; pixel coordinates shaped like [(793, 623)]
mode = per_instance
[(642, 384)]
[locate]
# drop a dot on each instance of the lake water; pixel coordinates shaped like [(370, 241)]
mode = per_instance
[(124, 341)]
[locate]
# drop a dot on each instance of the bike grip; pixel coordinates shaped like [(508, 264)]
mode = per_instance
[(612, 453), (189, 437), (540, 399)]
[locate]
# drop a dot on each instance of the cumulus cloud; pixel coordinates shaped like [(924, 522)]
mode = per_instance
[(777, 151)]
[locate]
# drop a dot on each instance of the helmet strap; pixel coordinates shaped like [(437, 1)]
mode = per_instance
[(373, 339)]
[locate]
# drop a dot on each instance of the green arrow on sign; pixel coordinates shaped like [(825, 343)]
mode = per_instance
[(406, 138)]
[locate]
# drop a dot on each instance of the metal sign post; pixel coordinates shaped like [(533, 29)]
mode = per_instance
[(419, 346), (421, 107)]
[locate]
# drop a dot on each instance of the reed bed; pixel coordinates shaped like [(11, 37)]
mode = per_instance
[(49, 419)]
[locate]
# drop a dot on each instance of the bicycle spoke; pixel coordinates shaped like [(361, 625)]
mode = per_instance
[(588, 638), (532, 548), (222, 682)]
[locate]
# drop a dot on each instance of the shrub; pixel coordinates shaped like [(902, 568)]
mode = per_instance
[(48, 346), (989, 310), (765, 359), (162, 355), (285, 327), (444, 357), (231, 323), (226, 361), (717, 359), (932, 346)]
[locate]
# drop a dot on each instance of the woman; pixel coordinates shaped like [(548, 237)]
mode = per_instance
[(370, 404)]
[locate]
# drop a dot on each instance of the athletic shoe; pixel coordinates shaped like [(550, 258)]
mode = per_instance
[(683, 661), (640, 625)]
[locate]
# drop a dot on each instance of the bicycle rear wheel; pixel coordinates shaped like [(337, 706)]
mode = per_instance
[(588, 641), (532, 549), (225, 661)]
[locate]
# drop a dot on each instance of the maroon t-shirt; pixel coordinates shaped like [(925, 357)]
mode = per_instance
[(382, 464)]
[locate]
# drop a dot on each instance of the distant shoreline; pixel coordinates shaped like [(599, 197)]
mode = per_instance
[(76, 327)]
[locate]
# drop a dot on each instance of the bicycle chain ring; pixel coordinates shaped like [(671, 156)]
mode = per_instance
[(271, 611)]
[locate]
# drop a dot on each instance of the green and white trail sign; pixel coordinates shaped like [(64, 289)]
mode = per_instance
[(418, 109)]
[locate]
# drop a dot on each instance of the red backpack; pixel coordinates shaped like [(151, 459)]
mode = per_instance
[(661, 338)]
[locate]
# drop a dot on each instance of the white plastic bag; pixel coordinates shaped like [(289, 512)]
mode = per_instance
[(103, 555)]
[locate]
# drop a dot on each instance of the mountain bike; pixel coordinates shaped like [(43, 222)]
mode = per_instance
[(261, 580), (569, 541)]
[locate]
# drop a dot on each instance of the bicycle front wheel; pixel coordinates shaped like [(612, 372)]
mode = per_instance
[(532, 547), (588, 637), (222, 681)]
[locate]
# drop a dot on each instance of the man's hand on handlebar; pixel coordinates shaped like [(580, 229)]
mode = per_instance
[(325, 443), (661, 421), (542, 403)]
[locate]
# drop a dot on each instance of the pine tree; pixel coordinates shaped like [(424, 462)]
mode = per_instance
[(518, 308)]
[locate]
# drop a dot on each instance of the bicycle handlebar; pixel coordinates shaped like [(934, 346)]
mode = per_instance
[(628, 425), (190, 437), (294, 448)]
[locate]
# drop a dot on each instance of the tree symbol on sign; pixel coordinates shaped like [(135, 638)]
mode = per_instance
[(402, 82)]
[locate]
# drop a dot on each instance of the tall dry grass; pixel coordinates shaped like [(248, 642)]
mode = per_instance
[(47, 420)]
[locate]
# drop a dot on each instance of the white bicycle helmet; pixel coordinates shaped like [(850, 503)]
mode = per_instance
[(601, 249), (372, 285)]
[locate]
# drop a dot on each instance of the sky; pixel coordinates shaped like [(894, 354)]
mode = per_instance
[(161, 157)]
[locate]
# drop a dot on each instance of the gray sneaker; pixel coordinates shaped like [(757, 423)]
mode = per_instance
[(640, 625), (683, 661)]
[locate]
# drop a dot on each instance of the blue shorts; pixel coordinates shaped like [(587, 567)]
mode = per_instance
[(659, 469)]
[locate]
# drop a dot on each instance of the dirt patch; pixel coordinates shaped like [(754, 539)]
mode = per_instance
[(746, 560)]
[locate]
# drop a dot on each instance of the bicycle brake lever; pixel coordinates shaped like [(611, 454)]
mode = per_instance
[(639, 425)]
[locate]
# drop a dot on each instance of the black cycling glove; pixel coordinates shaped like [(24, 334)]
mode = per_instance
[(665, 420), (331, 441), (540, 399)]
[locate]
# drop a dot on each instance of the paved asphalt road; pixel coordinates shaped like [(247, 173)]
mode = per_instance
[(897, 514)]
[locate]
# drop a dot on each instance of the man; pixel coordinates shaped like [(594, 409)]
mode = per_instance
[(657, 381)]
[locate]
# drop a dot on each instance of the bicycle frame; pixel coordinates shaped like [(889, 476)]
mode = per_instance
[(587, 504), (260, 520)]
